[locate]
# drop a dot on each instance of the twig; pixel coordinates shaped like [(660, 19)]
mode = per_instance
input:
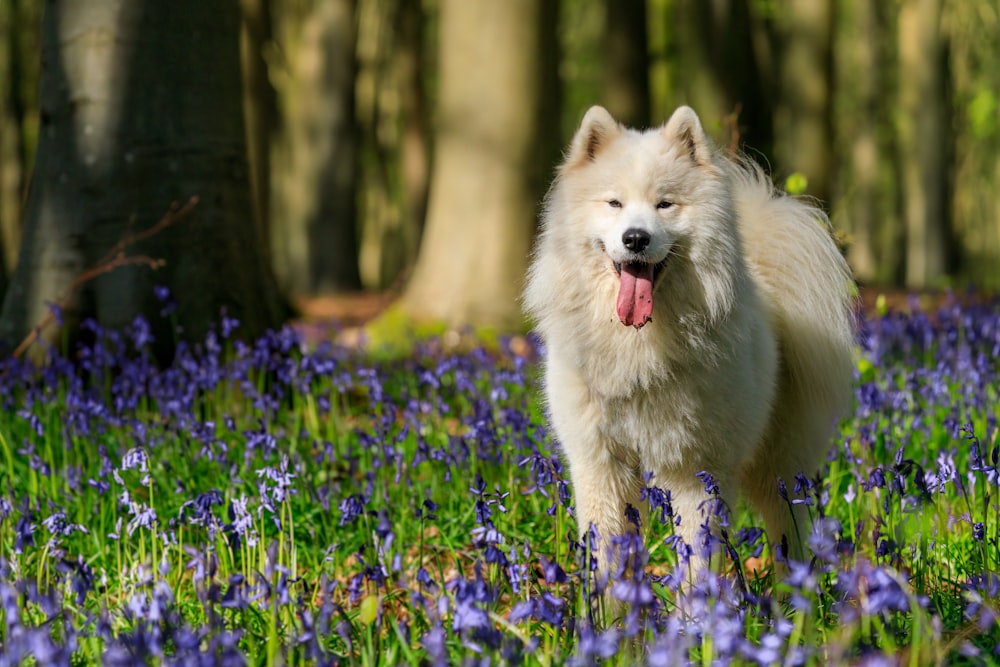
[(113, 259), (732, 121)]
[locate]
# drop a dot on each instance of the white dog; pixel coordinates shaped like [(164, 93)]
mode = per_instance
[(695, 320)]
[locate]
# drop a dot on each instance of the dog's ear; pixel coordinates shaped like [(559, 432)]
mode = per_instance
[(596, 130), (685, 129)]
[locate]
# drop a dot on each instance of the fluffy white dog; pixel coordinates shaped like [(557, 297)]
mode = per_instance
[(695, 320)]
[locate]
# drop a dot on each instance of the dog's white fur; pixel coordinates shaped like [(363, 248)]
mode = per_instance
[(748, 360)]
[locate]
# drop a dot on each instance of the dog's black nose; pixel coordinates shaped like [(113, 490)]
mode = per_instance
[(636, 240)]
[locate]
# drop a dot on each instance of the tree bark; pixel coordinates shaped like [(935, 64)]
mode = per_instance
[(140, 107), (494, 127), (922, 133), (314, 211), (626, 62)]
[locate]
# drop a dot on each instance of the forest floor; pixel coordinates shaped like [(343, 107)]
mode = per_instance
[(344, 315)]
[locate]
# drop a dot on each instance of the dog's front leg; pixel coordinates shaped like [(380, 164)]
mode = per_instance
[(604, 487), (605, 476), (700, 513)]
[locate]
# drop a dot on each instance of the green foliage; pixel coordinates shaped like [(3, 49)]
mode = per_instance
[(982, 113), (796, 183), (289, 506)]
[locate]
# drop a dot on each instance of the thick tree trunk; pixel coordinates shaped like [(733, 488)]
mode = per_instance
[(491, 160), (923, 133), (140, 107), (314, 207), (626, 62)]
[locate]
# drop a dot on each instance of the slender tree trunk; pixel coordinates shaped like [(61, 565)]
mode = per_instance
[(974, 82), (922, 131), (393, 115), (314, 228), (721, 66), (626, 62), (414, 149), (495, 92), (140, 107), (19, 33), (10, 164), (259, 109), (805, 140), (857, 115)]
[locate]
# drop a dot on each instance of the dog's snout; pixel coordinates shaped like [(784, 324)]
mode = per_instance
[(636, 240)]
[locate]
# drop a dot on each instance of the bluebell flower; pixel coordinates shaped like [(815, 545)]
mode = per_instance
[(135, 459), (434, 642), (59, 525), (228, 324), (351, 507), (552, 571), (978, 531), (25, 533), (547, 608), (595, 644)]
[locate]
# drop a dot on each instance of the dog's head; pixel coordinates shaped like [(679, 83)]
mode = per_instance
[(642, 198)]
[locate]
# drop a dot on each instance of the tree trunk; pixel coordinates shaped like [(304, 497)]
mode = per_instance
[(491, 161), (259, 110), (392, 114), (804, 142), (626, 62), (140, 107), (414, 151), (974, 83), (10, 164), (19, 31), (922, 131), (858, 114), (314, 212), (719, 60)]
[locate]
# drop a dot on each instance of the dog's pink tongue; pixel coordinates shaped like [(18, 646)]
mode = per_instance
[(635, 296)]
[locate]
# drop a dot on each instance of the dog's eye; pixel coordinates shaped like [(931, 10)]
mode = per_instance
[(664, 204), (614, 203)]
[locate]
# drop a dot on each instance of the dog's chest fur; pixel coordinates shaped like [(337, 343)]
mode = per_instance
[(679, 386)]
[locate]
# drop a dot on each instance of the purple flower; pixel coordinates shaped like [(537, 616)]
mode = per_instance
[(978, 531), (135, 459), (25, 531), (228, 325), (434, 642), (351, 508), (595, 644)]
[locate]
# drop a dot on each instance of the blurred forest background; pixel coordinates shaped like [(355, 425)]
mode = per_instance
[(404, 145)]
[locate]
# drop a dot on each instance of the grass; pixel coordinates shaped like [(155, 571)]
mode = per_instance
[(267, 504)]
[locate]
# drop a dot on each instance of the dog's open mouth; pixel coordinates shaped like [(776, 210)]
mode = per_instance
[(635, 292)]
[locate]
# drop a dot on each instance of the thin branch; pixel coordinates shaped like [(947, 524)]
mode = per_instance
[(115, 258)]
